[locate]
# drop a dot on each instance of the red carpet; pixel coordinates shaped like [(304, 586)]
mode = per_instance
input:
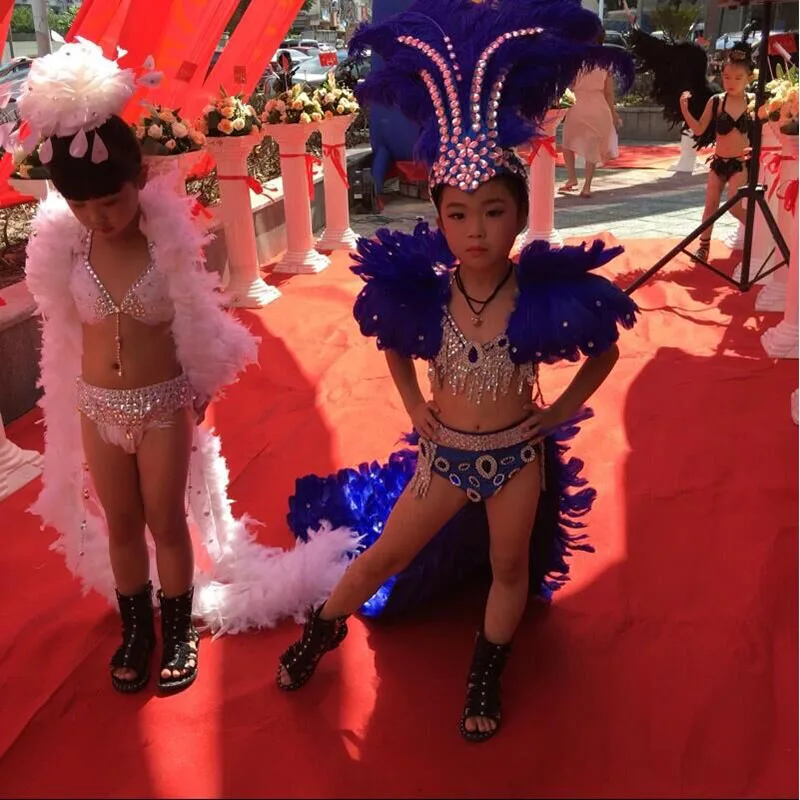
[(666, 668), (649, 156)]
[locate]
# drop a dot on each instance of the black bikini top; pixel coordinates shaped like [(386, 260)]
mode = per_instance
[(727, 124)]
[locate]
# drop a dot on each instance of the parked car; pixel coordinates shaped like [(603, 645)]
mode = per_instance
[(351, 71)]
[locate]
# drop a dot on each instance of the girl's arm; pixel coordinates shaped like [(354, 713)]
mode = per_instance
[(697, 126), (608, 92), (404, 375), (586, 382)]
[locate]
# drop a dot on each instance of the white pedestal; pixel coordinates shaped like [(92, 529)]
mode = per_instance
[(735, 239), (296, 166), (688, 157), (17, 466), (177, 167), (246, 288), (763, 242), (782, 340), (541, 199), (338, 234), (31, 187), (773, 296)]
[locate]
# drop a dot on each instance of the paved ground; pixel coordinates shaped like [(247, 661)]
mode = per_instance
[(630, 203)]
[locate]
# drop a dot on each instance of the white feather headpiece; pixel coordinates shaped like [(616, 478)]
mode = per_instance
[(73, 91)]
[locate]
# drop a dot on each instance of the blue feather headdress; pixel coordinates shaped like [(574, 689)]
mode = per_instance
[(479, 75)]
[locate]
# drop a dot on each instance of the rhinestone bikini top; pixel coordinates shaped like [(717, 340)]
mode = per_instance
[(476, 368), (146, 300)]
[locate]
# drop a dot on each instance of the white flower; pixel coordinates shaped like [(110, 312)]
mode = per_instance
[(238, 124), (305, 117), (179, 130), (170, 145), (155, 132)]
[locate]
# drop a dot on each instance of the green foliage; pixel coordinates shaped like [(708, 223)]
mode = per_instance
[(675, 18)]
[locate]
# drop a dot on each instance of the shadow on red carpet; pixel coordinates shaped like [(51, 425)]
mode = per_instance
[(667, 667)]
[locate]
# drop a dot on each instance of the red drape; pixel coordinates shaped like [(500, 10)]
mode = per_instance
[(250, 48), (6, 12), (102, 22), (190, 38)]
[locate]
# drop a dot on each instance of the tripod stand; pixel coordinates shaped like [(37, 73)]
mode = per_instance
[(753, 192)]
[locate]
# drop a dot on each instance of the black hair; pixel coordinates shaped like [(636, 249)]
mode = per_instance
[(81, 179), (516, 184), (741, 54)]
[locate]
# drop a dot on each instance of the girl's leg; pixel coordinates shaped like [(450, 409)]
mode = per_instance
[(511, 513), (739, 211), (714, 188), (588, 175), (163, 459), (116, 480), (414, 521), (572, 178)]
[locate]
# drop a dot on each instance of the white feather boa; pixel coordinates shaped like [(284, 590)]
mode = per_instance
[(240, 584)]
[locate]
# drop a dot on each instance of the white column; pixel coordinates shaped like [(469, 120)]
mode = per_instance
[(688, 157), (17, 466), (541, 189), (246, 288), (296, 166), (782, 340), (338, 234), (772, 297)]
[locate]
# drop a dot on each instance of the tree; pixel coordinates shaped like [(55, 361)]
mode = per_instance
[(61, 21), (22, 20), (242, 7), (675, 18)]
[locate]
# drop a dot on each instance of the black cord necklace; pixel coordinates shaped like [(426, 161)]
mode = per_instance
[(476, 313)]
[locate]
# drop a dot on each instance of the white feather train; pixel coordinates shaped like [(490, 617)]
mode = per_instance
[(241, 584)]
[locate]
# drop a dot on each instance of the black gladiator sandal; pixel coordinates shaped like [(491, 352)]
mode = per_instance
[(483, 687), (702, 252), (138, 640), (178, 633), (301, 659)]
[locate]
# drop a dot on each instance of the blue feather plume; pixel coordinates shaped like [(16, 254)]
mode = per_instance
[(563, 310), (537, 68), (401, 303)]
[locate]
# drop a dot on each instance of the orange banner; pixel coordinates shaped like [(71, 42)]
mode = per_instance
[(250, 48)]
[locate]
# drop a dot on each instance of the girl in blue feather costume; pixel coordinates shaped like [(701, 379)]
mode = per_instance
[(485, 483)]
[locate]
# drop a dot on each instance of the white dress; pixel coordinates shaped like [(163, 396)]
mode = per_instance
[(589, 126)]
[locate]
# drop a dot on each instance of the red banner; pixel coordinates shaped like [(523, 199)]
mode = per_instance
[(6, 12), (101, 22), (189, 41), (250, 48)]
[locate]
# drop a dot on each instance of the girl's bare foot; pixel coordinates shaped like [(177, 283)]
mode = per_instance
[(568, 186), (585, 193)]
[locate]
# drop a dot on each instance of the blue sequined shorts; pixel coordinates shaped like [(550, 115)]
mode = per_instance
[(479, 463)]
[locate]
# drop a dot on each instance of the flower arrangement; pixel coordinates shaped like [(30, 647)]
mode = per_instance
[(229, 115), (782, 103), (294, 106), (567, 100), (162, 132), (28, 167), (335, 100)]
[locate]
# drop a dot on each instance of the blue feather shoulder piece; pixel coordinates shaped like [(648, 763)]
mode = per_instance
[(564, 310), (407, 286)]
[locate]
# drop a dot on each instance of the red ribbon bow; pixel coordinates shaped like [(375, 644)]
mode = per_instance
[(549, 144), (789, 197), (334, 153), (311, 159), (251, 182), (200, 208)]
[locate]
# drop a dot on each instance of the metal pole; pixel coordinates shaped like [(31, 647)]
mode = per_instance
[(41, 26)]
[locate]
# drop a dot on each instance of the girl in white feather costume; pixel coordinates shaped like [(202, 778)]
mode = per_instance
[(126, 383)]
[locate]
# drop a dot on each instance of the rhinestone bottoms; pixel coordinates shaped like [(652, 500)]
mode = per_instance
[(123, 415), (479, 463)]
